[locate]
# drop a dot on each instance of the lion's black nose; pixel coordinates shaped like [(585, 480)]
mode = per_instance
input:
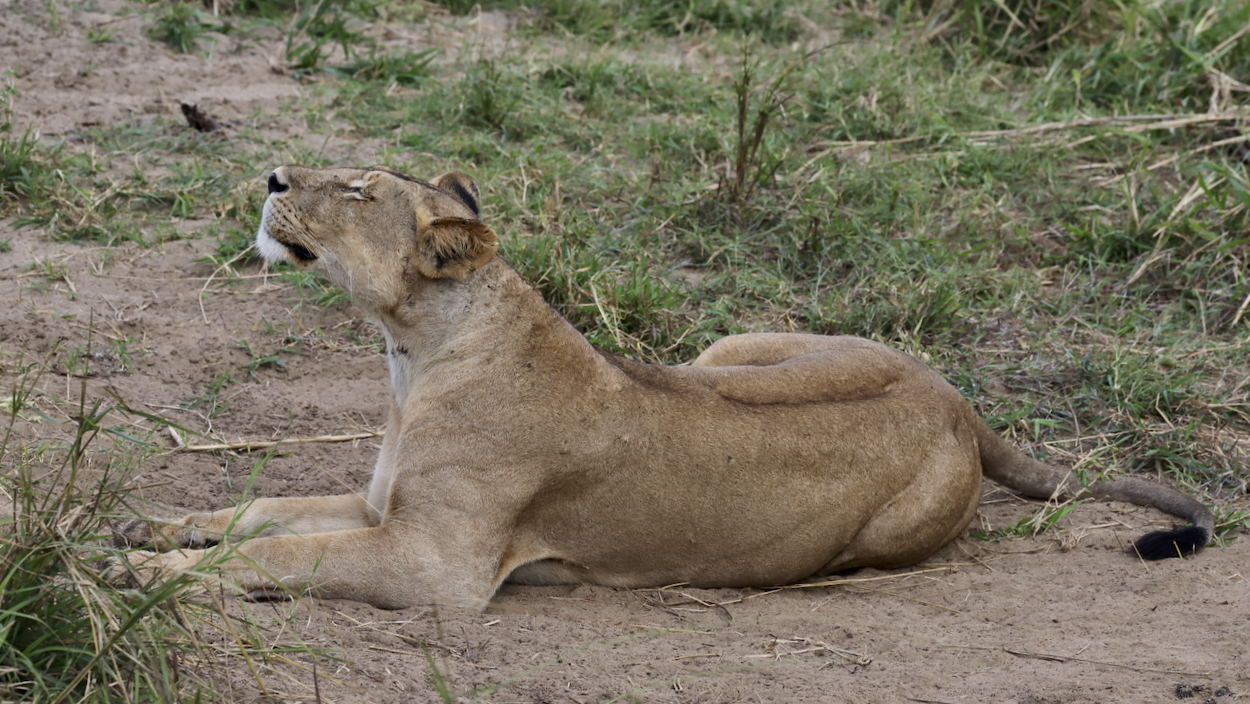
[(276, 186)]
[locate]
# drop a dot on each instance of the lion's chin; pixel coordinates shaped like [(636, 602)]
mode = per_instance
[(275, 250), (270, 249)]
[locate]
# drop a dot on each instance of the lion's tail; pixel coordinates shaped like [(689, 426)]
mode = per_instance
[(1007, 466)]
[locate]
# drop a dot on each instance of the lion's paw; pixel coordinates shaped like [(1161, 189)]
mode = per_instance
[(189, 536), (132, 533), (132, 570), (143, 567), (163, 537)]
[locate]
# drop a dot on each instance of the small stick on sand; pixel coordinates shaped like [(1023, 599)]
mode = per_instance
[(1063, 658), (250, 445), (908, 598)]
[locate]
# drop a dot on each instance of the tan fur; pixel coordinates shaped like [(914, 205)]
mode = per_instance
[(516, 450)]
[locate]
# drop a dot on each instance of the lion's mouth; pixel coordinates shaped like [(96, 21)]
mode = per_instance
[(273, 248), (298, 251)]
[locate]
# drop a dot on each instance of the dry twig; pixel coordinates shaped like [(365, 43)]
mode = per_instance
[(812, 646), (250, 445), (1063, 658)]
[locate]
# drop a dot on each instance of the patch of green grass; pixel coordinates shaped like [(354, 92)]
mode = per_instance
[(25, 169), (1165, 61), (236, 245), (325, 37), (599, 20), (68, 195), (1230, 521), (629, 308)]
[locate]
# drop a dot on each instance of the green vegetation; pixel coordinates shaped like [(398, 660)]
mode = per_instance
[(1053, 207), (1046, 199), (65, 635)]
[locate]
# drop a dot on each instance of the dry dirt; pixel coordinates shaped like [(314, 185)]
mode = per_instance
[(1018, 621)]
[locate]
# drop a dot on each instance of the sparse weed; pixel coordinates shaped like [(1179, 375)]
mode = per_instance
[(490, 94), (51, 269), (312, 289), (101, 35), (179, 26), (54, 23), (317, 29), (211, 400), (271, 360), (121, 348), (407, 69), (24, 170), (236, 245), (1040, 522), (753, 164), (77, 362)]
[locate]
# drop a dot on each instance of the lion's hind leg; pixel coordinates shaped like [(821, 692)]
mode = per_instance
[(930, 512), (766, 349), (769, 368)]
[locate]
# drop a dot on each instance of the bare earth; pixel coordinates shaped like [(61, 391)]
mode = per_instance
[(1022, 621)]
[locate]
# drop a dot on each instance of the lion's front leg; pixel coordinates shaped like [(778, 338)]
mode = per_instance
[(262, 517), (389, 566)]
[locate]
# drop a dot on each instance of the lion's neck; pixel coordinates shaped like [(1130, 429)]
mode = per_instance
[(447, 333), (400, 363)]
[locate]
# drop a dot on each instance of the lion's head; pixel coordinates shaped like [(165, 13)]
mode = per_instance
[(371, 231)]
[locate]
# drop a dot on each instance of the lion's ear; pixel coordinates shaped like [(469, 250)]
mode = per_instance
[(462, 188), (452, 248)]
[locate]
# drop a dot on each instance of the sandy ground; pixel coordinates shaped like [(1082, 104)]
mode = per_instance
[(1064, 617)]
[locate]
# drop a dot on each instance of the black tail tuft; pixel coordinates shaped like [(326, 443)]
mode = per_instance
[(1163, 544)]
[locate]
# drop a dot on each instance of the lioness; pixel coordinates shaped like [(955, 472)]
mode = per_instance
[(516, 450)]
